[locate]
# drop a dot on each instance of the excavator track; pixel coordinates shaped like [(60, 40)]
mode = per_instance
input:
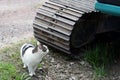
[(55, 21)]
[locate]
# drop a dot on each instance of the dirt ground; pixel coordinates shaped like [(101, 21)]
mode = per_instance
[(16, 18)]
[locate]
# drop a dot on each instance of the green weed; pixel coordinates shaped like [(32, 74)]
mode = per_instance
[(99, 72), (99, 57)]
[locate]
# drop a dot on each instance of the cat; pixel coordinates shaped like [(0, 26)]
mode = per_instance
[(32, 55)]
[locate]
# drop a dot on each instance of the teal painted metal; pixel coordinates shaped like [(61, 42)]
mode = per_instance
[(107, 8)]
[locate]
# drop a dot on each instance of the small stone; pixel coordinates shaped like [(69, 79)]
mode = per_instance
[(62, 76), (91, 73), (81, 75), (82, 62), (53, 60), (48, 78), (71, 63), (73, 78), (58, 66)]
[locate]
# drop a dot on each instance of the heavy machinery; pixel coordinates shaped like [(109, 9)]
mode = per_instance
[(69, 25)]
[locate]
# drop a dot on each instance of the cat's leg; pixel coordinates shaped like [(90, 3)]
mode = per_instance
[(35, 67), (24, 65), (31, 70)]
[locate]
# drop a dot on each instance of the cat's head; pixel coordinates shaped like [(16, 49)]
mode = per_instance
[(40, 47)]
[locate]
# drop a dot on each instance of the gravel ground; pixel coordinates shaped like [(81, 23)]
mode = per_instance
[(16, 18), (57, 66)]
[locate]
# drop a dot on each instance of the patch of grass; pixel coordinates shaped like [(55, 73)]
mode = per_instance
[(24, 76), (11, 65), (99, 57), (9, 71), (99, 72)]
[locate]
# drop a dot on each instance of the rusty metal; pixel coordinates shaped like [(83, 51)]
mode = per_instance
[(56, 21)]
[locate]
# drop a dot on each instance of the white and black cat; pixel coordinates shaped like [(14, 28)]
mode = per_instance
[(32, 55)]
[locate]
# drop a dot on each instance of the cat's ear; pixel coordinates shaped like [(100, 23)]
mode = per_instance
[(35, 49), (44, 48), (39, 45)]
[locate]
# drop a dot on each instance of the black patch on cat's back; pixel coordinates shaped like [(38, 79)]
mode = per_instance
[(25, 48)]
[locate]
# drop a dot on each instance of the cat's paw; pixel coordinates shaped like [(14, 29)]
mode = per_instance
[(31, 74), (24, 66)]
